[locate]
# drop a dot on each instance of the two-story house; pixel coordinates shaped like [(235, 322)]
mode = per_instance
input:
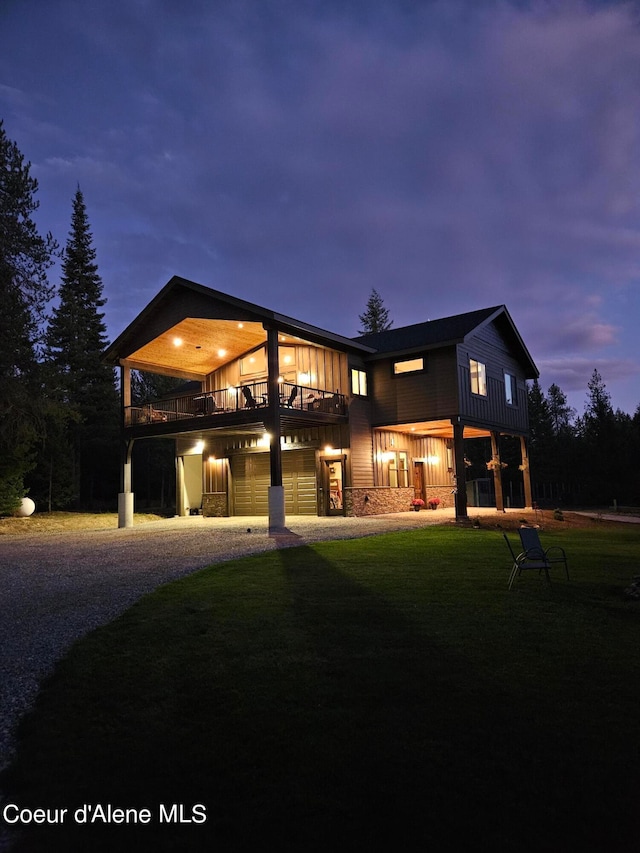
[(282, 418)]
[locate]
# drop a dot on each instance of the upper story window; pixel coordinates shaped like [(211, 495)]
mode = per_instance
[(478, 373), (255, 363), (408, 365), (510, 389), (358, 382)]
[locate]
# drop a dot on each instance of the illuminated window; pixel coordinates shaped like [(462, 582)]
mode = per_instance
[(478, 374), (254, 364), (358, 382), (408, 365), (510, 389), (398, 469)]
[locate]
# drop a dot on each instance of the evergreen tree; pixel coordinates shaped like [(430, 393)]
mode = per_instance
[(79, 379), (560, 412), (25, 256), (598, 440), (376, 316)]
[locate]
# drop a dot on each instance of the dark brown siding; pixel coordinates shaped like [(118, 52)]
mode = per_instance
[(429, 395), (489, 347)]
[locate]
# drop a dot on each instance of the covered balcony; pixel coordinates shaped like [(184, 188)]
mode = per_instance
[(234, 403)]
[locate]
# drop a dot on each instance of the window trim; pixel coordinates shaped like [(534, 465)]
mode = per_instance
[(400, 361), (478, 377), (359, 382), (510, 389)]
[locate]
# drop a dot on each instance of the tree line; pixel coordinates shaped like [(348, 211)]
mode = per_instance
[(60, 411)]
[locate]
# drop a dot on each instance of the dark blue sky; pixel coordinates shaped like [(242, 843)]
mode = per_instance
[(453, 155)]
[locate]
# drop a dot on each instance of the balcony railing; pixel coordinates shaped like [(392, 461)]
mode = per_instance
[(247, 397)]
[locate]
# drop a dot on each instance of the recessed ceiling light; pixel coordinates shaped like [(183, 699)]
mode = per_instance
[(177, 342), (222, 352)]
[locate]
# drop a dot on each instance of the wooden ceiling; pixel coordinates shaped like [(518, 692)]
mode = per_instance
[(194, 347), (436, 429)]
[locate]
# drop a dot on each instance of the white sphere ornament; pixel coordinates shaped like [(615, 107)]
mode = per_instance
[(26, 508)]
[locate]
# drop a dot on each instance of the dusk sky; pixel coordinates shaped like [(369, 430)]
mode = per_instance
[(297, 153)]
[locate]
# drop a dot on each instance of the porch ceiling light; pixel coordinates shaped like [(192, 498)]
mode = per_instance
[(177, 342), (222, 353)]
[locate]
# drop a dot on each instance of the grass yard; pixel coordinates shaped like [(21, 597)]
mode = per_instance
[(387, 692)]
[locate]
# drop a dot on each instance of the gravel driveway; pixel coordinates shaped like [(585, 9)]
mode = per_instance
[(56, 588)]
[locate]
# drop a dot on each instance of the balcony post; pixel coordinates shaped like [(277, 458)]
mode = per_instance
[(497, 469), (459, 468), (125, 496), (276, 490), (526, 474)]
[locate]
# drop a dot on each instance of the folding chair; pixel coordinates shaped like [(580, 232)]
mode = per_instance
[(530, 539), (522, 562)]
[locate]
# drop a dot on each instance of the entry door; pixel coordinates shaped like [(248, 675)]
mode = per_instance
[(334, 487), (418, 479)]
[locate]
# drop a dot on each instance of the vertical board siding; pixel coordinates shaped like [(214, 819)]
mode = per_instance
[(490, 347), (327, 369)]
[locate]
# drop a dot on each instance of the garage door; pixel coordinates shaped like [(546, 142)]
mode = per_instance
[(252, 476)]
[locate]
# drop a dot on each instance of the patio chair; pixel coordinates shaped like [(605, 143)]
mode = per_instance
[(522, 562), (532, 546), (250, 400), (292, 397)]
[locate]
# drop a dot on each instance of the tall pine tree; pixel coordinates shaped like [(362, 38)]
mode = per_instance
[(376, 316), (25, 256), (76, 339)]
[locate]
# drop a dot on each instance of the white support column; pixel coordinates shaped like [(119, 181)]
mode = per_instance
[(276, 508), (180, 497), (125, 497)]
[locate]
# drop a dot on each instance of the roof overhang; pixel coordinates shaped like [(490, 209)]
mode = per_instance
[(189, 330)]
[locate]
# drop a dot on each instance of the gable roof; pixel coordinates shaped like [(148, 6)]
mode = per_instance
[(207, 320), (448, 331)]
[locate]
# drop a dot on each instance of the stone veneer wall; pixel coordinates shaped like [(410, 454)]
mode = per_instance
[(377, 500), (214, 505), (447, 499)]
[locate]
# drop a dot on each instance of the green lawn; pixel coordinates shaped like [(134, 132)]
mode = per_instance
[(355, 695)]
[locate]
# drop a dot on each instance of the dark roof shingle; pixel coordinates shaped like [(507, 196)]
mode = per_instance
[(431, 333)]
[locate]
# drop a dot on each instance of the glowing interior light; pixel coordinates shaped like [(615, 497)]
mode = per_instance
[(304, 378), (433, 460), (212, 459), (199, 447)]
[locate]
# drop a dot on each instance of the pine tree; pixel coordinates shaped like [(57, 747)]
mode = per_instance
[(376, 316), (76, 339), (25, 256)]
